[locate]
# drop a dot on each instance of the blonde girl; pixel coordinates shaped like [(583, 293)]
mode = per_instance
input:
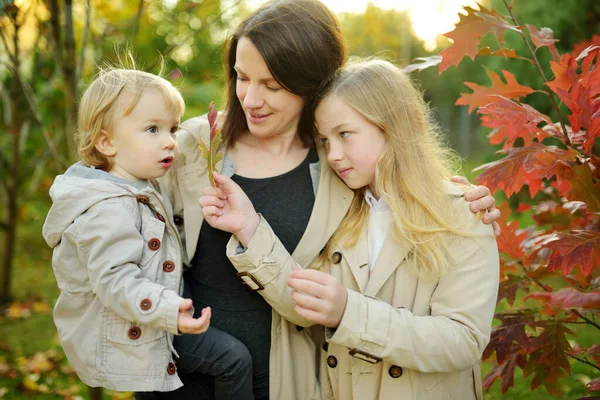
[(407, 285)]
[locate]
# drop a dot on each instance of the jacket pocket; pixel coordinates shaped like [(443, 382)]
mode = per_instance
[(152, 231), (132, 349)]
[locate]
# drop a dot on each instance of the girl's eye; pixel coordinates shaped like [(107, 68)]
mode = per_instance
[(344, 135), (152, 129)]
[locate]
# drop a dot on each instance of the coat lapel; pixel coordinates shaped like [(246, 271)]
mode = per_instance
[(390, 257), (357, 258), (331, 204)]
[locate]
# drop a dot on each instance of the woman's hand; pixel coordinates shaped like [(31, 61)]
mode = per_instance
[(226, 207), (320, 297), (481, 199)]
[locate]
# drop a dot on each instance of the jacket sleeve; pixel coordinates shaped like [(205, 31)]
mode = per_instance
[(267, 262), (111, 247), (454, 336)]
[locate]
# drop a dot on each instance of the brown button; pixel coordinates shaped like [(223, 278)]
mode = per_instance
[(395, 371), (154, 244), (171, 368), (332, 361), (299, 328), (336, 257), (168, 266), (142, 199), (145, 304), (160, 217), (134, 333)]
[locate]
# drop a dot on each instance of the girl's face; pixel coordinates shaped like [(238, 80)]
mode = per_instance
[(354, 145), (270, 109)]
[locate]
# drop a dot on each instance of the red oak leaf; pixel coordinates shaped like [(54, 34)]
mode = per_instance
[(505, 372), (468, 32), (513, 120), (481, 94), (543, 37), (510, 239), (569, 298), (508, 288), (561, 75), (524, 165), (506, 53), (576, 248), (425, 63), (594, 384), (549, 351), (579, 47), (511, 330)]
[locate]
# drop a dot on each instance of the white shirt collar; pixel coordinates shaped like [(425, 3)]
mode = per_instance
[(374, 204)]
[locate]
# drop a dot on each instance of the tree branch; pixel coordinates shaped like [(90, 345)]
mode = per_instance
[(88, 13), (27, 92), (136, 25), (55, 24), (539, 67)]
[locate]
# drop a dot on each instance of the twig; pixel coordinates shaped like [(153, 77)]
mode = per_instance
[(583, 360), (537, 63)]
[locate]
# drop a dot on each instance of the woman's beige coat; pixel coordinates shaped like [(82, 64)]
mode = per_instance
[(401, 336), (293, 369)]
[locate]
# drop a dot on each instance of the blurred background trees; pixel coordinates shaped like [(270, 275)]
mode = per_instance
[(51, 49)]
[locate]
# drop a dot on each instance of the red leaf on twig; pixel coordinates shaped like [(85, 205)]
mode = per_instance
[(568, 298), (513, 120), (481, 94), (570, 249), (468, 32), (505, 372), (524, 165), (543, 37)]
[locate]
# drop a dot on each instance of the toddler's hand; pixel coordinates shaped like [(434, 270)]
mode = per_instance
[(226, 207), (187, 323)]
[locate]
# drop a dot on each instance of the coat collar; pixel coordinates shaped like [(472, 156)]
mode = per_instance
[(332, 201)]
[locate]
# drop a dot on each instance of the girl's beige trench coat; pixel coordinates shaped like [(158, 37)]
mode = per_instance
[(379, 351)]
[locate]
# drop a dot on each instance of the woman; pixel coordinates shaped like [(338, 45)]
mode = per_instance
[(276, 61)]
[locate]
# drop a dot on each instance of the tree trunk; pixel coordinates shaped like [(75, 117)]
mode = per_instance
[(70, 73)]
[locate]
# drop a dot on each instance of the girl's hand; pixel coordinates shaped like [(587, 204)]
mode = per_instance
[(481, 199), (188, 324), (226, 207), (320, 297)]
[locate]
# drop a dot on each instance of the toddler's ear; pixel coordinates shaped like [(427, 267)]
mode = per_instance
[(104, 145)]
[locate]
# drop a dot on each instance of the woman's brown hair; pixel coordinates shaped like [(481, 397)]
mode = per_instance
[(301, 43)]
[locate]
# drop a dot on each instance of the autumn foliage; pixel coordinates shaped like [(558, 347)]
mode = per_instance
[(553, 266)]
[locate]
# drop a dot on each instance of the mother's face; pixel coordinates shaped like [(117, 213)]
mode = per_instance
[(270, 109)]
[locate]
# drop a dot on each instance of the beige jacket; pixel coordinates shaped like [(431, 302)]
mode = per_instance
[(293, 369), (118, 262), (401, 337)]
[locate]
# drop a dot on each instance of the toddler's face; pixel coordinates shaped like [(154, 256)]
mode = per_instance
[(354, 144), (145, 138)]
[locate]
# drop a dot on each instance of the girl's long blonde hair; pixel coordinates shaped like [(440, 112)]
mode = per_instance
[(413, 170)]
